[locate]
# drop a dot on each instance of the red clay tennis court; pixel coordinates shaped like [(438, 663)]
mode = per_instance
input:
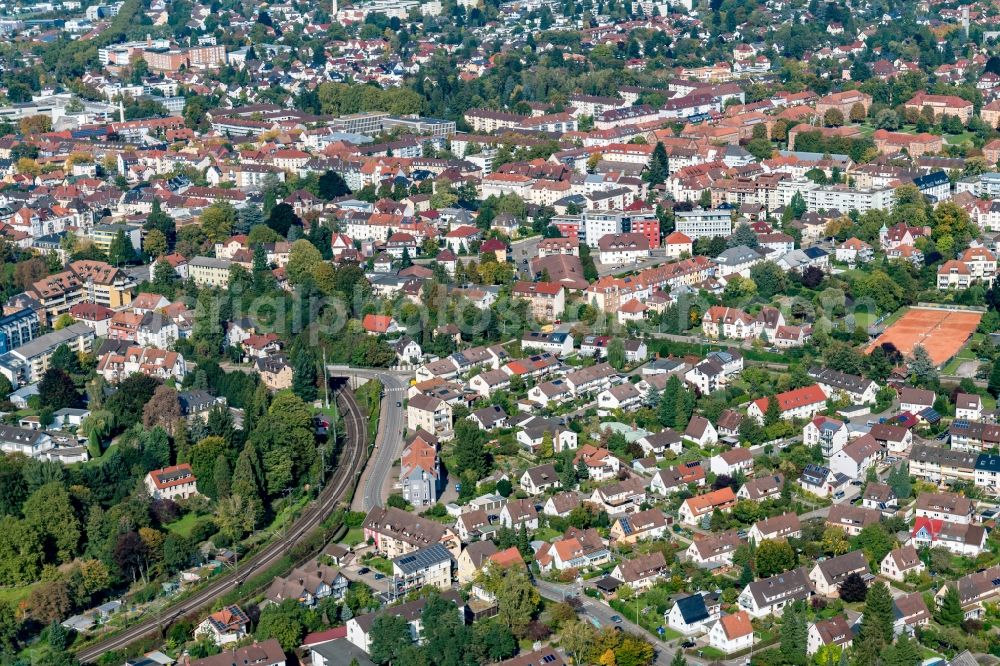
[(941, 332)]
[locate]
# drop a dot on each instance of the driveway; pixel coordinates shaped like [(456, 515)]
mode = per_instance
[(600, 614)]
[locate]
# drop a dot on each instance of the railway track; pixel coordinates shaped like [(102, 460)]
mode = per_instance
[(351, 462)]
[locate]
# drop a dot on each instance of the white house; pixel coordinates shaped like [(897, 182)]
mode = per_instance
[(901, 562), (732, 633), (829, 434), (800, 403), (225, 626), (856, 458), (732, 462), (827, 576), (834, 631), (770, 596), (693, 614), (173, 483)]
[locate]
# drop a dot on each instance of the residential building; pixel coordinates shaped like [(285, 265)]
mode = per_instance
[(770, 596), (901, 562), (782, 526), (856, 458), (827, 576), (800, 403), (430, 414), (950, 507), (395, 532), (732, 633), (173, 483), (225, 626), (695, 509), (420, 470), (693, 614), (425, 567), (834, 631)]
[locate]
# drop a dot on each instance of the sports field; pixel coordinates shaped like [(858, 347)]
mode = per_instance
[(941, 332)]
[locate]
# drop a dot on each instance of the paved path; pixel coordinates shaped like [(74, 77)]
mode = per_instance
[(602, 613)]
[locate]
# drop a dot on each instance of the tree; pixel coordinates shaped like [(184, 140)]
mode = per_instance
[(678, 659), (163, 409), (899, 481), (218, 220), (949, 611), (833, 118), (858, 113), (284, 622), (120, 251), (302, 260), (470, 449), (853, 588), (206, 333), (160, 221), (774, 556), (772, 413), (743, 235), (65, 359), (903, 653), (49, 602), (517, 599), (922, 368), (794, 634), (659, 165), (127, 403), (390, 636), (155, 243), (876, 541), (769, 278), (248, 481), (222, 477), (49, 511), (304, 374), (616, 353), (57, 390), (233, 516), (994, 382), (283, 218), (332, 185), (878, 617)]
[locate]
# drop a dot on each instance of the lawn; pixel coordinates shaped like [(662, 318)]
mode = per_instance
[(380, 564), (183, 526), (14, 595), (958, 138), (354, 536), (712, 653)]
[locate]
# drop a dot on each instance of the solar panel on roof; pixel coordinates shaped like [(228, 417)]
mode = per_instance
[(548, 659)]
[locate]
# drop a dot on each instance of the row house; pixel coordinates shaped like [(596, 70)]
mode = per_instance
[(801, 403), (158, 363)]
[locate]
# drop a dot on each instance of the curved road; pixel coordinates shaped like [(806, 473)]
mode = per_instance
[(349, 466), (388, 440)]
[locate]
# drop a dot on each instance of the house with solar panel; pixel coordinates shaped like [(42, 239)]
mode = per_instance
[(427, 567), (693, 614), (225, 626)]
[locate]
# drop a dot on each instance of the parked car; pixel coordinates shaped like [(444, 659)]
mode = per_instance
[(616, 619), (364, 571)]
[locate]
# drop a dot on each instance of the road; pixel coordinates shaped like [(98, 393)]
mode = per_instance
[(337, 486), (602, 613), (388, 439)]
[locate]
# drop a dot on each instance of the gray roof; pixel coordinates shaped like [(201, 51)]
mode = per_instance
[(44, 343), (738, 255)]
